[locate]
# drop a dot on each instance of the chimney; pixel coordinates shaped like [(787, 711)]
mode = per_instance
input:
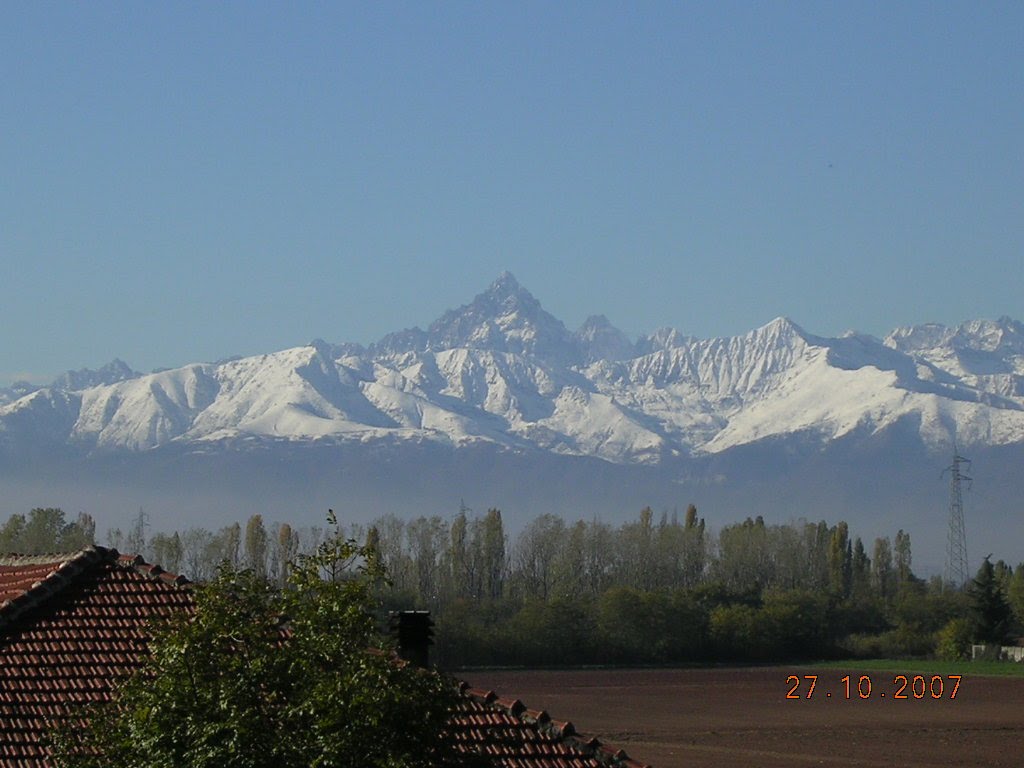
[(413, 630)]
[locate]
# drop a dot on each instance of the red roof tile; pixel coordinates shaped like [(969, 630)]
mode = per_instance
[(517, 737), (71, 624)]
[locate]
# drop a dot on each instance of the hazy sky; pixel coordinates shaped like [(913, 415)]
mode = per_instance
[(183, 182)]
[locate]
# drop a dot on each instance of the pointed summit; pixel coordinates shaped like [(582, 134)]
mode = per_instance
[(482, 324), (504, 318), (781, 330), (782, 324), (506, 293), (505, 283)]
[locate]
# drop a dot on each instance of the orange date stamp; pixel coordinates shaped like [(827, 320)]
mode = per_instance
[(867, 687)]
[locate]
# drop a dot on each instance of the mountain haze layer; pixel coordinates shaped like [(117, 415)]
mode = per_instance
[(501, 377)]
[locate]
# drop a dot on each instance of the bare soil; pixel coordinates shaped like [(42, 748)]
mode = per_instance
[(741, 717)]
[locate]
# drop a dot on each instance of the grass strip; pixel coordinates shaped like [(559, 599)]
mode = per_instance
[(926, 667)]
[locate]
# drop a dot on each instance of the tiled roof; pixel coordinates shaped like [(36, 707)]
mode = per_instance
[(513, 736), (71, 624)]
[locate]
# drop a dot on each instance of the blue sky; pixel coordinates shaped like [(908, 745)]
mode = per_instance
[(184, 182)]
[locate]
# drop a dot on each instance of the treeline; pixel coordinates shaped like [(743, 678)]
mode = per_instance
[(653, 590), (46, 530), (667, 590)]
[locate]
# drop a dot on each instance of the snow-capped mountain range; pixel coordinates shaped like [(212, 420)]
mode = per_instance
[(497, 403), (503, 371)]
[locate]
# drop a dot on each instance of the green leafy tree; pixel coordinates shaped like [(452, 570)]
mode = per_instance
[(649, 626), (630, 624), (256, 546), (860, 570), (493, 550), (954, 640), (745, 562), (840, 566), (12, 534), (989, 608), (46, 531), (43, 531), (882, 574), (1004, 575), (737, 632), (233, 687), (694, 554), (546, 633), (902, 559), (1015, 595), (229, 540), (800, 622)]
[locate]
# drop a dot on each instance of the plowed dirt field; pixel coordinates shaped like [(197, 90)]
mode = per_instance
[(720, 718)]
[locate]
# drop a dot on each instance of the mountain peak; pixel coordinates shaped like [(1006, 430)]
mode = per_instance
[(1004, 335), (484, 323), (783, 324), (600, 340), (991, 335), (781, 330), (595, 322), (506, 294), (663, 338), (114, 371), (504, 318), (505, 283)]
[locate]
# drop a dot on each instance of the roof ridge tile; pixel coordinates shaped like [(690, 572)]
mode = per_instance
[(64, 571), (70, 627), (560, 731), (152, 571), (67, 567)]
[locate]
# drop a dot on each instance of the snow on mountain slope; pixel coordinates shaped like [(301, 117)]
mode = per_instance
[(41, 417), (143, 412), (296, 393), (595, 424), (504, 318), (598, 339), (504, 371), (393, 396), (693, 390), (984, 354), (805, 401), (831, 387), (725, 372)]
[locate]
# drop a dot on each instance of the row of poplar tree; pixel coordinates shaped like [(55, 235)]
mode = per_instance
[(651, 590)]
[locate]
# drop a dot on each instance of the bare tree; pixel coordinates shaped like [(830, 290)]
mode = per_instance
[(536, 552)]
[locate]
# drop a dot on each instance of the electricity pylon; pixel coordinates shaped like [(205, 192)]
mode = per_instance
[(956, 542)]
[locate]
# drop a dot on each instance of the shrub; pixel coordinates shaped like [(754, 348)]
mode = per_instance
[(954, 640)]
